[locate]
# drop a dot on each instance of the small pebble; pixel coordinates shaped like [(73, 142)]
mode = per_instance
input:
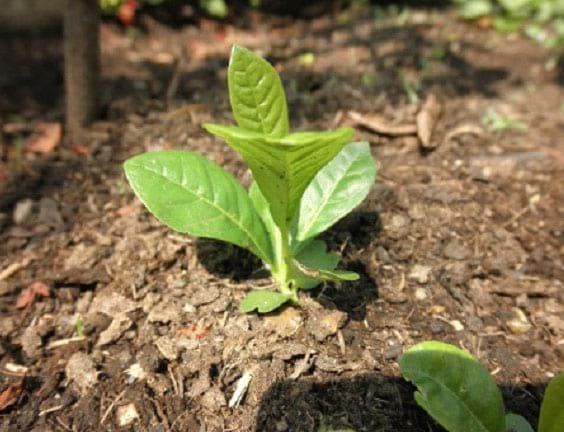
[(420, 273), (126, 414), (22, 211), (456, 250), (456, 325), (393, 352), (80, 369), (518, 324), (420, 293)]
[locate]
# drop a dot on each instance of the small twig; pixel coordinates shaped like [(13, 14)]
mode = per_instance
[(341, 341), (13, 268), (63, 424), (517, 216), (50, 410), (380, 125), (175, 78), (161, 414), (173, 379), (63, 342), (111, 407)]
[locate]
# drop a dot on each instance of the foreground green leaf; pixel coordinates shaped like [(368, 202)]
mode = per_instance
[(336, 190), (314, 255), (454, 388), (325, 275), (256, 94), (263, 209), (263, 301), (283, 168), (552, 409), (517, 423), (192, 195)]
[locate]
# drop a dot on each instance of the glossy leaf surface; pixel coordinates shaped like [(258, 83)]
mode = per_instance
[(283, 168), (263, 301), (190, 194), (552, 409), (454, 388), (336, 190), (256, 94)]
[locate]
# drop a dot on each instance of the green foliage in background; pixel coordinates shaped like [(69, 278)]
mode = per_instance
[(460, 394), (542, 20), (110, 6), (214, 8)]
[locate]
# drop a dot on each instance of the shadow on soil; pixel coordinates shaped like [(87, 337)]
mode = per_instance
[(356, 230), (371, 403)]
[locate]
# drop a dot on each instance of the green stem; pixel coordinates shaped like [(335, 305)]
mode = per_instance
[(281, 271)]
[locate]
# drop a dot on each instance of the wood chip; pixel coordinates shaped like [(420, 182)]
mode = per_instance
[(45, 138), (13, 268), (381, 125), (427, 119), (464, 129), (240, 389), (11, 395)]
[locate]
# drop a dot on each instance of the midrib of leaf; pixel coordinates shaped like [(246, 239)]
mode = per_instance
[(326, 200), (264, 255), (255, 98), (431, 378)]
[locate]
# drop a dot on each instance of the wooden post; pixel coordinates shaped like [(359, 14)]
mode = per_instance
[(82, 64)]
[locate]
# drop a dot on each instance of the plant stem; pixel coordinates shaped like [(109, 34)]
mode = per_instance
[(281, 272)]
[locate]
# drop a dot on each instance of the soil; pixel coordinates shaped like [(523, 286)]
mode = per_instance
[(141, 330)]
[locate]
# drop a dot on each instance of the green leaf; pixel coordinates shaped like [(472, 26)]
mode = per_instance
[(304, 272), (284, 167), (454, 388), (518, 7), (263, 301), (263, 209), (192, 195), (552, 409), (215, 8), (256, 94), (336, 190), (472, 9), (517, 423), (314, 255)]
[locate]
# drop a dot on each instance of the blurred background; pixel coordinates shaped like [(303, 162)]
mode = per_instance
[(460, 239)]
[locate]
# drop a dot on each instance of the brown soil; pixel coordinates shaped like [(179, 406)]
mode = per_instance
[(453, 244)]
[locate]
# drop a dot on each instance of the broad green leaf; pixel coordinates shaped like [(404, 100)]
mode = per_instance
[(314, 254), (336, 190), (256, 94), (517, 423), (192, 195), (454, 388), (518, 7), (472, 9), (284, 167), (301, 272), (263, 301), (263, 209), (552, 409)]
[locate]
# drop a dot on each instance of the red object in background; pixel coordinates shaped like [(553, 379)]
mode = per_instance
[(10, 395), (27, 296), (126, 12)]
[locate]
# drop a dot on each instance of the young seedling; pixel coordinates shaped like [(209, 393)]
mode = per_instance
[(459, 393), (304, 182)]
